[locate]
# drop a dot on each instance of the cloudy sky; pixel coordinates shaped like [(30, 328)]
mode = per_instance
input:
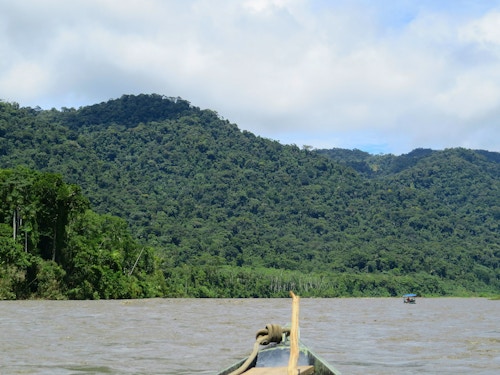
[(383, 76)]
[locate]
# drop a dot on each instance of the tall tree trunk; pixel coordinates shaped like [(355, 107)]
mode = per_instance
[(54, 243), (14, 222)]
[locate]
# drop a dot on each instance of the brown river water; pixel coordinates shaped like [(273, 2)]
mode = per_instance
[(201, 336)]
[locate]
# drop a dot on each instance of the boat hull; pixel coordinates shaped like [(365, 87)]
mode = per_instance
[(277, 355)]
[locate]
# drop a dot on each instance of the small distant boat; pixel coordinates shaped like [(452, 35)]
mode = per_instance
[(278, 351), (409, 298)]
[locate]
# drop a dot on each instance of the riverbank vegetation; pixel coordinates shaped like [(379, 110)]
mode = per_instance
[(148, 196), (53, 246)]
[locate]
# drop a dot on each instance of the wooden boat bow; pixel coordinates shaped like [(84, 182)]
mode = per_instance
[(282, 345)]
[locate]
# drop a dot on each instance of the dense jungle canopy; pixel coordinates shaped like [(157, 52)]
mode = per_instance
[(148, 195)]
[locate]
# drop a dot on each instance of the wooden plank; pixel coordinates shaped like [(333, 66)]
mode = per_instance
[(294, 336), (303, 370)]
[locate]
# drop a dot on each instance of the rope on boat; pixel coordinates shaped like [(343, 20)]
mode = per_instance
[(272, 333)]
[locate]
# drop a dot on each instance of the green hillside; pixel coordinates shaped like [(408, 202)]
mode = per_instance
[(233, 214)]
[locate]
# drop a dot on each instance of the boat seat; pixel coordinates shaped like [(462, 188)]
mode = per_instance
[(303, 370)]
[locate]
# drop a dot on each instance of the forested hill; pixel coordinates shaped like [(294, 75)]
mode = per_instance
[(234, 214), (375, 166)]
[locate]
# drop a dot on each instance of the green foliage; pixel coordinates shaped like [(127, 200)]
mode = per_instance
[(219, 210), (53, 247), (49, 279), (243, 282)]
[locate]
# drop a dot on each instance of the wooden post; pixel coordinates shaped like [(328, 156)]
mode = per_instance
[(294, 337)]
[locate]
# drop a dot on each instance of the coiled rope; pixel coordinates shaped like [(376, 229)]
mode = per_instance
[(272, 333)]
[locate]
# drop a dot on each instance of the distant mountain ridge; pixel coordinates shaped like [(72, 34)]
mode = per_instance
[(382, 165), (206, 194)]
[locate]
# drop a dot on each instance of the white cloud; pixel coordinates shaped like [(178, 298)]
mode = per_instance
[(24, 76), (483, 31), (324, 73), (266, 7)]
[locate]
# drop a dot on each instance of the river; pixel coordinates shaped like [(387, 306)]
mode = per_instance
[(201, 336)]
